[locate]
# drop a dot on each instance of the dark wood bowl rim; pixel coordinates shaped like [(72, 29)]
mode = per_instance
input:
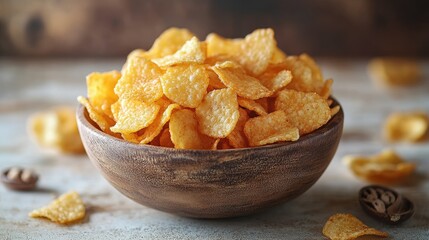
[(335, 120)]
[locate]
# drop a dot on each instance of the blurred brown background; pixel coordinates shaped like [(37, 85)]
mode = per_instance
[(100, 28)]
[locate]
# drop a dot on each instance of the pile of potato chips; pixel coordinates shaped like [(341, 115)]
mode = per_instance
[(214, 94)]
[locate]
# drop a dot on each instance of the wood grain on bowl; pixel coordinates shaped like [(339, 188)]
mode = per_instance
[(207, 183)]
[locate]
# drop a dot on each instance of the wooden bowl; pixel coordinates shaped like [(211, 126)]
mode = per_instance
[(212, 183)]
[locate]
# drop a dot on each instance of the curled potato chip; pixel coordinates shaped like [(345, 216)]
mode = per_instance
[(156, 126), (278, 56), (100, 90), (257, 50), (56, 129), (234, 77), (275, 81), (165, 139), (252, 106), (218, 113), (192, 51), (236, 138), (306, 111), (68, 208), (103, 121), (169, 42), (140, 81), (135, 115), (411, 127), (270, 128), (394, 71), (184, 131), (346, 227), (386, 167), (306, 75), (185, 84), (217, 45)]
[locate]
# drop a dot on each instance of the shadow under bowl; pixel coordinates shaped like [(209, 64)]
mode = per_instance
[(212, 183)]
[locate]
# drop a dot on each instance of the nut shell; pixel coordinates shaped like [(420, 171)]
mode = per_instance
[(19, 184), (397, 208)]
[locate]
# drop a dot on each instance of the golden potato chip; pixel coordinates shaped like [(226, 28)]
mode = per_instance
[(184, 130), (165, 139), (103, 121), (306, 111), (185, 84), (326, 90), (214, 80), (218, 113), (346, 227), (140, 81), (135, 115), (410, 127), (100, 90), (236, 79), (135, 53), (252, 106), (68, 208), (236, 138), (156, 126), (114, 108), (306, 77), (335, 110), (217, 45), (394, 71), (278, 56), (192, 52), (257, 50), (276, 81), (385, 168), (56, 129), (270, 128), (170, 41)]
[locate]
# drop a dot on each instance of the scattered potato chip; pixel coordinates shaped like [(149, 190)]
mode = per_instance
[(185, 84), (410, 127), (68, 208), (169, 42), (56, 129), (385, 168), (192, 52), (103, 121), (135, 115), (346, 227), (236, 79), (140, 81), (257, 50), (184, 131), (270, 128), (252, 106), (100, 90), (394, 71), (236, 138), (218, 120), (306, 111)]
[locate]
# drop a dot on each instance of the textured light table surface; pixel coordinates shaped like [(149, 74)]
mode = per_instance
[(27, 86)]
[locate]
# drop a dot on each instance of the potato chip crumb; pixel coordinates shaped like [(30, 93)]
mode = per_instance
[(68, 208)]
